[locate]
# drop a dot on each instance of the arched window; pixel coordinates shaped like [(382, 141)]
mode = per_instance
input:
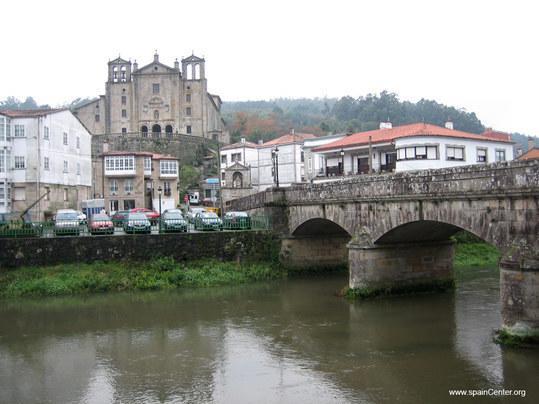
[(196, 72), (156, 131), (156, 114), (144, 131), (115, 73), (237, 180), (168, 131), (189, 71)]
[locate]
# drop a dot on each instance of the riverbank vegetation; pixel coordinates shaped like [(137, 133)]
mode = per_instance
[(471, 251), (163, 273)]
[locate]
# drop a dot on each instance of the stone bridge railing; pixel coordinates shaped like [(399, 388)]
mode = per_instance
[(502, 179)]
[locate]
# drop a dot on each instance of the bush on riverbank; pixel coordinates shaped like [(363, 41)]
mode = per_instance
[(471, 251), (163, 273)]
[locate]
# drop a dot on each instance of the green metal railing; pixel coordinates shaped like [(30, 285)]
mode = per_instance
[(48, 229)]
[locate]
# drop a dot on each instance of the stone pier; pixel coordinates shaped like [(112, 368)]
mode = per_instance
[(398, 268), (314, 252)]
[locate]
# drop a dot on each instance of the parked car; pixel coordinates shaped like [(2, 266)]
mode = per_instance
[(193, 212), (152, 215), (172, 220), (66, 222), (119, 217), (137, 222), (81, 216), (208, 221), (100, 223), (12, 226), (236, 221)]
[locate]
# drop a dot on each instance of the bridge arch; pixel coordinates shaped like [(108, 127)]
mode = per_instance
[(320, 227)]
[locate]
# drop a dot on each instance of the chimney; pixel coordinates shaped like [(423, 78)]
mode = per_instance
[(386, 125), (519, 151), (531, 143), (135, 66), (260, 141), (449, 125), (177, 64), (293, 131), (242, 140)]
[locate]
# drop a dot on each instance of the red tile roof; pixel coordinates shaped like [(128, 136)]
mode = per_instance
[(30, 113), (414, 129), (288, 138), (530, 154)]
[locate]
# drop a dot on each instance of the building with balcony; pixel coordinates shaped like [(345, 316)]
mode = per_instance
[(128, 180), (45, 162), (411, 147), (156, 101)]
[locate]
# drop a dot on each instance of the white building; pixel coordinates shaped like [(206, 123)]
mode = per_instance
[(413, 147), (315, 163), (43, 153), (258, 159)]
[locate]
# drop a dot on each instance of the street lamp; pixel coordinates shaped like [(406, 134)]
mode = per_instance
[(342, 161), (275, 160), (159, 191)]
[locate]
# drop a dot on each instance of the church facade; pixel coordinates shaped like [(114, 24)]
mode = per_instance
[(156, 101)]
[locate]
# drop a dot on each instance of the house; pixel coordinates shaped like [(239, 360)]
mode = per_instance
[(45, 161), (410, 147), (243, 152), (128, 180), (532, 153), (315, 163)]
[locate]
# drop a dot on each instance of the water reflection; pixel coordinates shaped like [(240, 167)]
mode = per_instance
[(282, 342)]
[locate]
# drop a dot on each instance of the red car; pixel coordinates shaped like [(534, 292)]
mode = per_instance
[(100, 224), (152, 215)]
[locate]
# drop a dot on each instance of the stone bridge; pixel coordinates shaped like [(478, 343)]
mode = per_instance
[(393, 230)]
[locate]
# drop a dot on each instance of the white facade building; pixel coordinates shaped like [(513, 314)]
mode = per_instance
[(315, 163), (413, 147), (243, 152), (43, 152)]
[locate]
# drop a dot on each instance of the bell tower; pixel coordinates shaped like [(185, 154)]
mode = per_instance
[(193, 68), (119, 71)]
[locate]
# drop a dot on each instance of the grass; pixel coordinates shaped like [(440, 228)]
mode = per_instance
[(163, 273), (475, 254)]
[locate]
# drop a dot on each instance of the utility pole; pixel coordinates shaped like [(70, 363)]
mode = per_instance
[(221, 206), (370, 154)]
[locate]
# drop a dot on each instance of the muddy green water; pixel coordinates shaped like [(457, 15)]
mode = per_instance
[(284, 342)]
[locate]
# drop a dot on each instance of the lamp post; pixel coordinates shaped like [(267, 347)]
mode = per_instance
[(275, 160), (159, 191), (342, 161)]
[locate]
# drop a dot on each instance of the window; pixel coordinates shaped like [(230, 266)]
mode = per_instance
[(223, 159), (188, 129), (129, 204), (19, 194), (124, 100), (46, 133), (113, 186), (124, 131), (46, 163), (128, 186), (418, 153), (66, 194), (223, 175), (144, 131), (124, 113), (66, 167), (167, 191), (155, 88), (302, 157), (97, 117), (168, 167), (454, 153), (19, 130), (2, 128), (3, 161), (19, 163), (309, 164), (500, 155), (2, 194), (188, 111), (119, 163), (481, 155), (78, 168), (113, 205), (187, 97), (156, 114), (65, 138), (78, 142), (236, 157), (147, 164)]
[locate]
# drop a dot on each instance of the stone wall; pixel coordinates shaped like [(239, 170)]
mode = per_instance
[(183, 247)]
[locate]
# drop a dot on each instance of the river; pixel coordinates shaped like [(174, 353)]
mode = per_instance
[(291, 341)]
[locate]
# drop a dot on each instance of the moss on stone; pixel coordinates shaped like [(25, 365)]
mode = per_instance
[(423, 287), (506, 338)]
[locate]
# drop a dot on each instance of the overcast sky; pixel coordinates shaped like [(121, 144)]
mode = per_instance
[(472, 54)]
